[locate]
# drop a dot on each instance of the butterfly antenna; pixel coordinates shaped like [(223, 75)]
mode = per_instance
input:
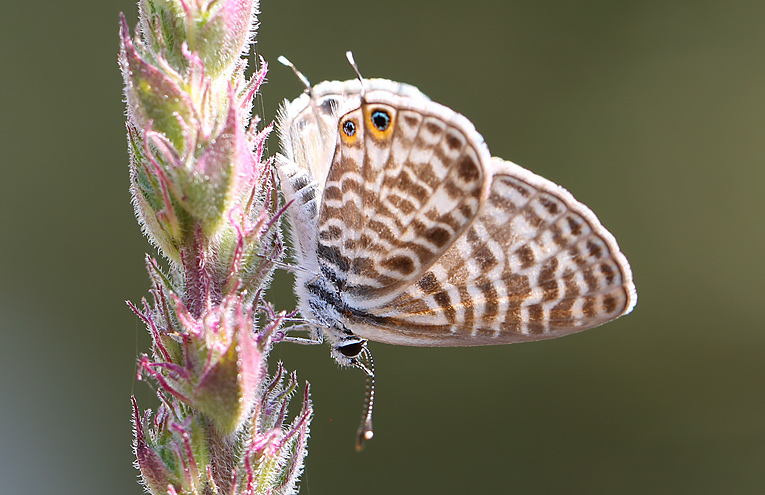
[(309, 90), (349, 56), (365, 431), (284, 61)]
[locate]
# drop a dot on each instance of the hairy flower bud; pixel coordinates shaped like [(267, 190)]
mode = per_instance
[(223, 363), (192, 161), (219, 31), (168, 452)]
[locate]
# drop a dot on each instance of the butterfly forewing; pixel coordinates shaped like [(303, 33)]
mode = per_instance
[(395, 200)]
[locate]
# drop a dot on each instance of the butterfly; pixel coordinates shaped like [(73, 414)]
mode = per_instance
[(407, 231)]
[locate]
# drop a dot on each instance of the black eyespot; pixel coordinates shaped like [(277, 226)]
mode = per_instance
[(349, 128), (380, 119), (351, 350)]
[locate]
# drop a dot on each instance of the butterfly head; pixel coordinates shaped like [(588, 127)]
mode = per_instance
[(353, 351), (347, 350)]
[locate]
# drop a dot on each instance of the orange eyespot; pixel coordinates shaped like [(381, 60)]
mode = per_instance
[(348, 130), (380, 121)]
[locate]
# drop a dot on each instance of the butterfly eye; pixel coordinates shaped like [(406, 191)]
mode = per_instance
[(380, 119), (351, 350), (349, 128)]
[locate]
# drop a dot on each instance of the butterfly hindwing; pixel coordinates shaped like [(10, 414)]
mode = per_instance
[(534, 264)]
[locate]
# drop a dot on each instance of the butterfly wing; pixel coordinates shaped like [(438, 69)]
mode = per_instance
[(432, 242), (307, 129), (420, 238), (405, 183), (534, 264)]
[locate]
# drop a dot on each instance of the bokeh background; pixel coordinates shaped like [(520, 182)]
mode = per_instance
[(652, 113)]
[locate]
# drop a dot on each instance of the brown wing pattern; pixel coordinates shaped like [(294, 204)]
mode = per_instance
[(396, 198), (534, 264), (424, 239)]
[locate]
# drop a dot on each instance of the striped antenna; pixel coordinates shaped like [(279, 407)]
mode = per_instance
[(284, 61), (349, 56)]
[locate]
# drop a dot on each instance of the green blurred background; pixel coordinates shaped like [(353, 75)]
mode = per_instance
[(652, 113)]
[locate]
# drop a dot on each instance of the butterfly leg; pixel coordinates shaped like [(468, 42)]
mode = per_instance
[(314, 337), (281, 265)]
